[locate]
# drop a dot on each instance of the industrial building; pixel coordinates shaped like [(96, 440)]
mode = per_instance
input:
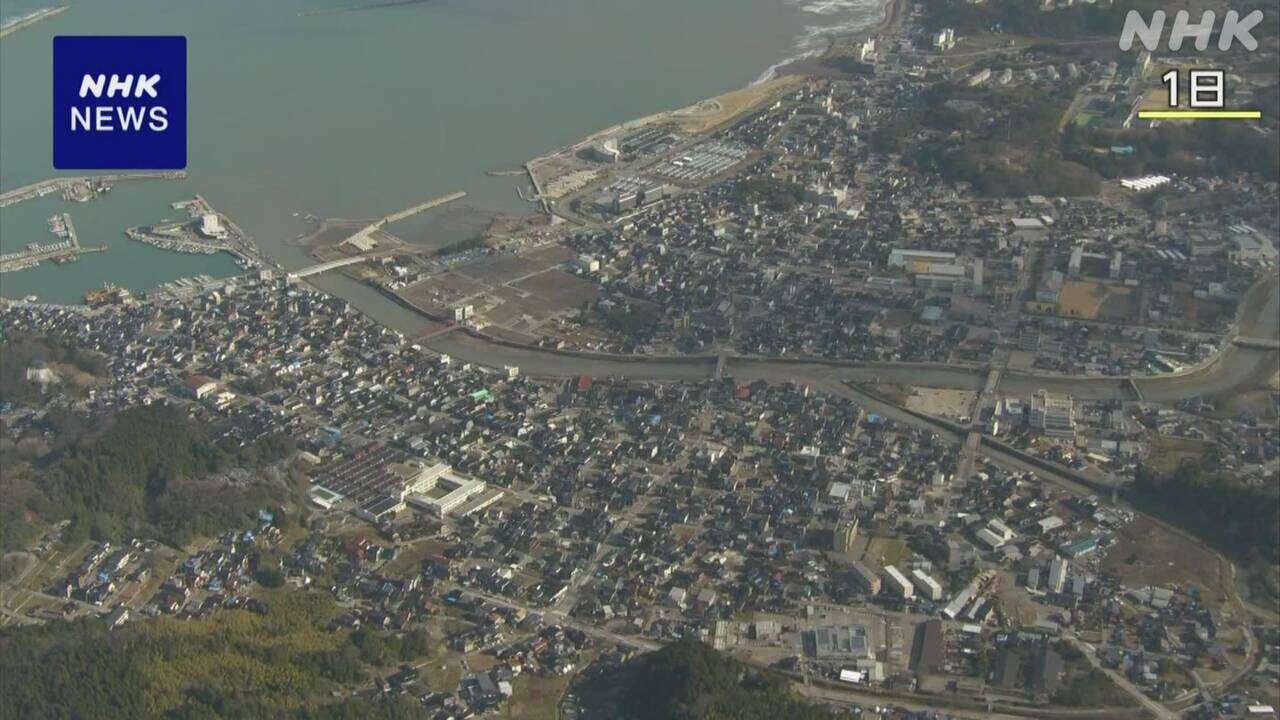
[(839, 642)]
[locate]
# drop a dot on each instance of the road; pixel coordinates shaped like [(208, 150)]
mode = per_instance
[(555, 616), (1155, 708)]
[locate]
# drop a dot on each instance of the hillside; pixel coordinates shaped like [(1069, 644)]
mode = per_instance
[(689, 681)]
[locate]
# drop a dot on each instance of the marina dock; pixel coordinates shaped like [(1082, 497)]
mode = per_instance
[(64, 251)]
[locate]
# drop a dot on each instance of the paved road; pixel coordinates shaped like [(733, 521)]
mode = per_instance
[(1234, 369)]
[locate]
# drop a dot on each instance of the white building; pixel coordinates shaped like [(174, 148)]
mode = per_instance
[(211, 226), (904, 257), (607, 150), (867, 49), (440, 491), (1053, 414), (899, 582), (944, 40), (1057, 574), (928, 586)]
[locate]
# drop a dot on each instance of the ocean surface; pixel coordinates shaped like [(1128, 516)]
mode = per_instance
[(303, 107)]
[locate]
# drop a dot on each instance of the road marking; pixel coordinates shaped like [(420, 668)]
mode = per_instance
[(1199, 114)]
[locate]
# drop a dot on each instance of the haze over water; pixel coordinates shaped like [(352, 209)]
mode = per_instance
[(357, 114)]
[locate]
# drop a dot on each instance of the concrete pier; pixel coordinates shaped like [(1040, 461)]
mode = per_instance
[(408, 212), (31, 19), (52, 185)]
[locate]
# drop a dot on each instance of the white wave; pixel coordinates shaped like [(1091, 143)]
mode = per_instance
[(831, 7), (814, 39)]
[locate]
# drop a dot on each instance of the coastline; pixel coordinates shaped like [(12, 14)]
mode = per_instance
[(703, 111), (776, 79), (891, 17)]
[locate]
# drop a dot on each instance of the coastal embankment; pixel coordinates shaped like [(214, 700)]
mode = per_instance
[(28, 20), (52, 185)]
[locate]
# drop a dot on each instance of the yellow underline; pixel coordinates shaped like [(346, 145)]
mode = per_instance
[(1199, 114)]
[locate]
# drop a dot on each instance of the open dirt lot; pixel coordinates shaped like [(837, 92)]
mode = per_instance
[(1096, 301), (880, 550), (1168, 453), (441, 292), (559, 289), (710, 113), (499, 270), (945, 403), (1146, 554)]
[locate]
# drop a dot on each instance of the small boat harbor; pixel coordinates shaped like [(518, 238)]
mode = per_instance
[(204, 231), (67, 249)]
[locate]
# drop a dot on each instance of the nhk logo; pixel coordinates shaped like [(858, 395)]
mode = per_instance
[(1234, 28), (119, 103), (101, 117)]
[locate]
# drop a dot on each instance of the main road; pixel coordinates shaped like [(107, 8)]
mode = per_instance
[(1234, 369)]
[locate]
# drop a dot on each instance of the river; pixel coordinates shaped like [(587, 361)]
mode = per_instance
[(356, 114)]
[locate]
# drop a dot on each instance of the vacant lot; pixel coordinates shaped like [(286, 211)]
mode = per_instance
[(1096, 301), (708, 114), (1147, 554), (881, 550), (503, 269), (560, 289), (442, 292), (1168, 453), (944, 403)]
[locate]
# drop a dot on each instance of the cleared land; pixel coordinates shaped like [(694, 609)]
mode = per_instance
[(1090, 300), (1147, 554)]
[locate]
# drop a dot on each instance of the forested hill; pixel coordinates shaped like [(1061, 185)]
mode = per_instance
[(149, 473), (690, 681), (281, 664)]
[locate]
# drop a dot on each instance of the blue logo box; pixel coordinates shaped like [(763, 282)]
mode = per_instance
[(119, 102)]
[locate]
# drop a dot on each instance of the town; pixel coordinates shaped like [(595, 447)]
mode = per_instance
[(812, 387)]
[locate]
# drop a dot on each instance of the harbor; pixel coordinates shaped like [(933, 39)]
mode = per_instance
[(66, 250), (425, 149), (205, 231), (100, 223)]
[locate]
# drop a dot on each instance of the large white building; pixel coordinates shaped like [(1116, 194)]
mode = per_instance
[(1053, 414), (904, 257), (1057, 574), (211, 226), (440, 491), (928, 586), (899, 582)]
